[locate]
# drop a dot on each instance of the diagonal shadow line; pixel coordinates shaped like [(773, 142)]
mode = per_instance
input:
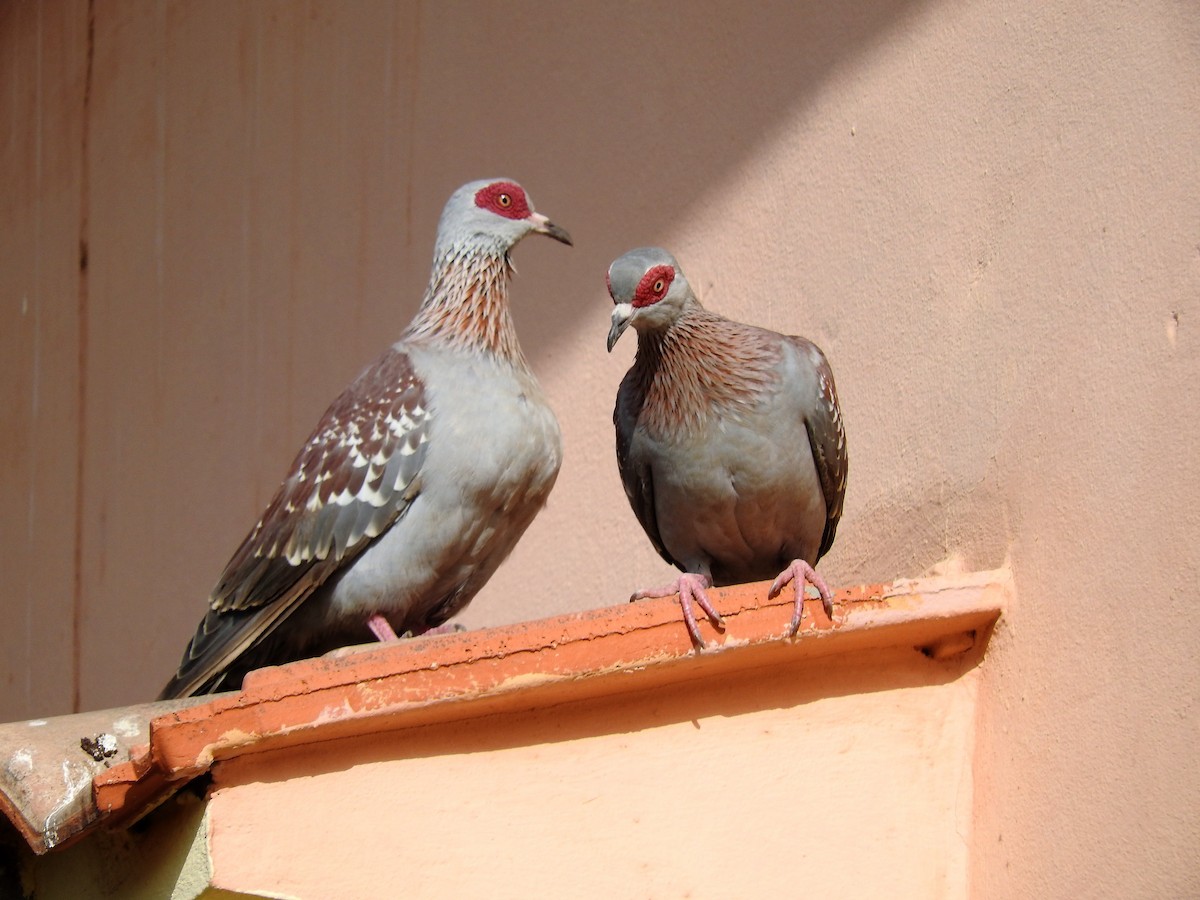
[(582, 112)]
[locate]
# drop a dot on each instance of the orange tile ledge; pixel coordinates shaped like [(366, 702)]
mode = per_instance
[(524, 666)]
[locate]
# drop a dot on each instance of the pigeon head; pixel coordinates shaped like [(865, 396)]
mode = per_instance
[(492, 214), (649, 289)]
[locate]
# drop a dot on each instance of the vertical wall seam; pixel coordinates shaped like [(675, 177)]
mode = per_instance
[(82, 372)]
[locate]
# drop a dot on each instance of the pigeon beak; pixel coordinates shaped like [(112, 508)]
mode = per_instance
[(622, 315), (542, 225)]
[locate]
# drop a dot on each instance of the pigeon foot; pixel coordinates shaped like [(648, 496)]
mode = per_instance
[(691, 590), (802, 574)]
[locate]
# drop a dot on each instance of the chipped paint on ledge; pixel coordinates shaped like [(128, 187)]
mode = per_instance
[(414, 683)]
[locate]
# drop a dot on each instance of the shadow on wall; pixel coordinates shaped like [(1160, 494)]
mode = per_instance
[(262, 190), (627, 117), (644, 115)]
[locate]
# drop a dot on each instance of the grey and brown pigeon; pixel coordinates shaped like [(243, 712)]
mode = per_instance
[(415, 484), (730, 440)]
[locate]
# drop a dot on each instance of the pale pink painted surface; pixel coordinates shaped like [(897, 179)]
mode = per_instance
[(986, 214), (43, 58), (853, 781)]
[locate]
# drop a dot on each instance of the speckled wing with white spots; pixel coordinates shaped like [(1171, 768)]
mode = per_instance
[(355, 477), (827, 435)]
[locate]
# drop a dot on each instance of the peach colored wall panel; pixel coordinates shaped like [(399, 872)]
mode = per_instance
[(764, 783)]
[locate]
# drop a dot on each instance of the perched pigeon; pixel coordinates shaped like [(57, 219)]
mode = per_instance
[(415, 484), (730, 441)]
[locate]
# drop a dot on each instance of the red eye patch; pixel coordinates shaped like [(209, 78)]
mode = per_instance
[(504, 199), (654, 285)]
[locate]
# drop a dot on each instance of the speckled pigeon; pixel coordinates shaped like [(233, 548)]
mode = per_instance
[(730, 440), (415, 484)]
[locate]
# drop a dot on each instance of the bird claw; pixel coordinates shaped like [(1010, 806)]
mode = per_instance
[(801, 573), (691, 590), (383, 631)]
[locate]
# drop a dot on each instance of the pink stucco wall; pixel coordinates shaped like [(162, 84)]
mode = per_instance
[(850, 777), (985, 213)]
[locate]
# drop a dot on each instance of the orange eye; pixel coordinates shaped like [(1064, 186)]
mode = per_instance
[(504, 200), (659, 286)]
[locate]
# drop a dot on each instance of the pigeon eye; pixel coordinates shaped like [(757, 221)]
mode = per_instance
[(504, 198), (659, 286)]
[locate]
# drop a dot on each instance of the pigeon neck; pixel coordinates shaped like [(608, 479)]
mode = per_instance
[(702, 363), (466, 304)]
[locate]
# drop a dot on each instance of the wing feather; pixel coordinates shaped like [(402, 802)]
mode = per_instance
[(636, 474), (827, 436), (355, 476)]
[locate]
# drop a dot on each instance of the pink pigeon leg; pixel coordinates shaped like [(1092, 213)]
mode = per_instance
[(691, 589), (381, 628), (801, 573)]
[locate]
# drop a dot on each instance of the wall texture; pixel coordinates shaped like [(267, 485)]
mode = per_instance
[(729, 789), (214, 215)]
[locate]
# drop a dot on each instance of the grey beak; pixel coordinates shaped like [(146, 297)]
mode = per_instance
[(542, 225), (622, 315)]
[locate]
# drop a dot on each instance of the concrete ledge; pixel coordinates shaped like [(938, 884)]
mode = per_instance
[(379, 688)]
